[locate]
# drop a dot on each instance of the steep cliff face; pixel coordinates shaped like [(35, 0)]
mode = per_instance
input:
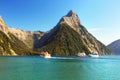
[(69, 37), (27, 37), (115, 47), (15, 41), (5, 43), (3, 26)]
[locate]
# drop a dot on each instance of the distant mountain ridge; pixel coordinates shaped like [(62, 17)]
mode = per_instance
[(68, 37), (115, 47)]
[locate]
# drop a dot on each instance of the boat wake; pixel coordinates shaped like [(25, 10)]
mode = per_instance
[(62, 58)]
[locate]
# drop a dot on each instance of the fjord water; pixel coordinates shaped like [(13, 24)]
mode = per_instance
[(60, 68)]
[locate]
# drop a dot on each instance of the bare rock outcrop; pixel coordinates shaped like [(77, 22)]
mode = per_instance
[(3, 26)]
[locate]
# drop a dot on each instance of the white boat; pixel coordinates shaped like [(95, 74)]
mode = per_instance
[(94, 54), (46, 54), (81, 54)]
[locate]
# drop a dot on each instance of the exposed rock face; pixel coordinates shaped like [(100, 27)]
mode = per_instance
[(5, 43), (3, 26), (115, 47), (69, 37), (72, 20)]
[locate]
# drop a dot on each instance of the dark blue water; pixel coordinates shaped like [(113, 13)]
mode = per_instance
[(60, 68)]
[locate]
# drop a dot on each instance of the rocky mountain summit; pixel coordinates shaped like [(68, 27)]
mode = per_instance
[(72, 20), (68, 37)]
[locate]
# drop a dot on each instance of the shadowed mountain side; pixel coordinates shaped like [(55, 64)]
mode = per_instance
[(115, 47)]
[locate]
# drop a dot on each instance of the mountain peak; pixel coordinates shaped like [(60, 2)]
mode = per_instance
[(71, 13), (72, 20)]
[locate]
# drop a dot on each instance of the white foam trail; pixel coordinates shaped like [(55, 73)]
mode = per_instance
[(62, 58)]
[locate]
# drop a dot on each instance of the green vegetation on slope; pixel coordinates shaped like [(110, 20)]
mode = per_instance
[(93, 44), (12, 45), (19, 47), (4, 44), (64, 41)]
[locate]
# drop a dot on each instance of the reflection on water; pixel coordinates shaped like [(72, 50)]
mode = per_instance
[(60, 68)]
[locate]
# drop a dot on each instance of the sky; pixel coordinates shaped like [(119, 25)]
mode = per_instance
[(100, 17)]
